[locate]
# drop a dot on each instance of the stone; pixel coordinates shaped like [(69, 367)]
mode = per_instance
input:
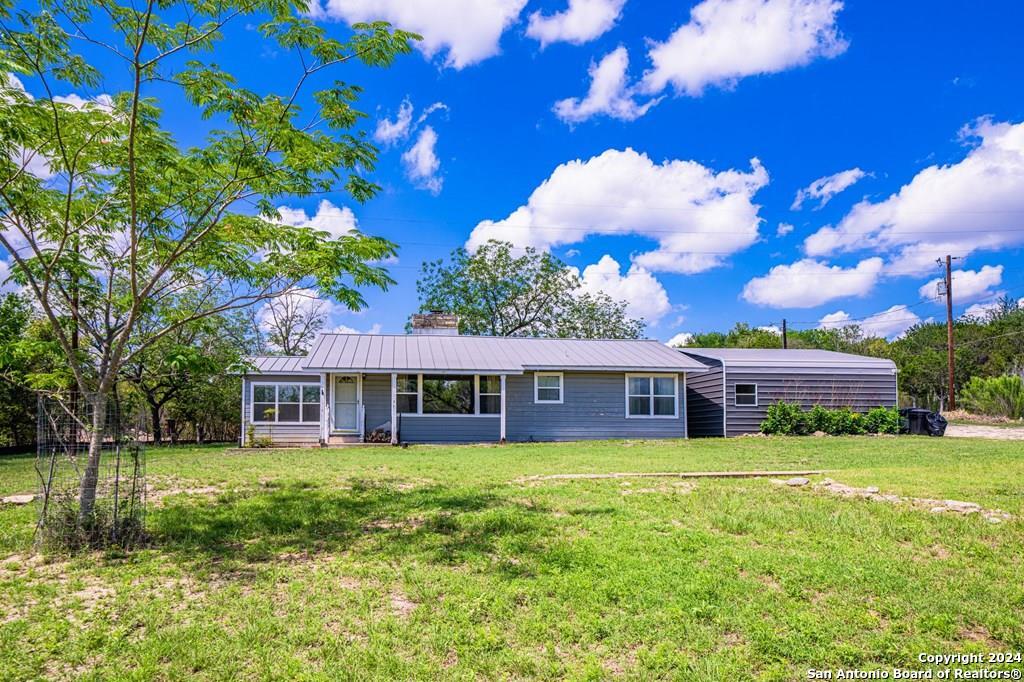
[(18, 499), (819, 434), (797, 481), (873, 489), (962, 507)]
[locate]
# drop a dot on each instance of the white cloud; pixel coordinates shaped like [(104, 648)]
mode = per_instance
[(338, 221), (974, 204), (6, 286), (466, 31), (581, 21), (421, 162), (827, 187), (727, 40), (609, 93), (345, 329), (771, 329), (680, 339), (891, 323), (783, 229), (697, 216), (644, 295), (391, 132), (808, 283), (968, 285), (985, 309), (103, 101)]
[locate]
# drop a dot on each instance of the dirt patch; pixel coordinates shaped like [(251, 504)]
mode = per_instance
[(978, 633), (401, 605), (934, 506), (155, 495), (666, 474), (981, 431), (411, 523), (679, 488)]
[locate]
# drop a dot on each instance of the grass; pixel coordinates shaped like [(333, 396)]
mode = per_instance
[(436, 562)]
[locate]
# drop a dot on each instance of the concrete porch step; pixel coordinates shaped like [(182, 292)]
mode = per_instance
[(346, 439)]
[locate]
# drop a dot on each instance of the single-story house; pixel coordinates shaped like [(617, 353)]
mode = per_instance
[(733, 397), (435, 386)]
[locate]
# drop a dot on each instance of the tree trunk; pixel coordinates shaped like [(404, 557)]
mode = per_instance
[(154, 415), (87, 488)]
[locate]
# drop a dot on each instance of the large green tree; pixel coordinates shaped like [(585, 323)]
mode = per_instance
[(105, 214), (496, 292)]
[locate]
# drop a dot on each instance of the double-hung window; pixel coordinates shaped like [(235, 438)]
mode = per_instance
[(490, 394), (547, 387), (286, 403), (408, 393), (651, 395)]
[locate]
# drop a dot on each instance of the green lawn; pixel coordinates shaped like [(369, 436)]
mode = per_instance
[(429, 562)]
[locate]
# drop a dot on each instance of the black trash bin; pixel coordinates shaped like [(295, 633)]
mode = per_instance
[(918, 421)]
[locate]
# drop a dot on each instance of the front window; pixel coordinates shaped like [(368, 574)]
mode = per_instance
[(286, 403), (408, 394), (547, 387), (746, 394), (443, 394), (490, 395), (651, 395)]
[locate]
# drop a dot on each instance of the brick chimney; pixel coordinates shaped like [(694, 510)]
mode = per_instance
[(436, 322)]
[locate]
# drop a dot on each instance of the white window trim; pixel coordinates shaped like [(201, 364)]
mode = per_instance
[(479, 394), (277, 410), (561, 388), (736, 403), (419, 398), (652, 396)]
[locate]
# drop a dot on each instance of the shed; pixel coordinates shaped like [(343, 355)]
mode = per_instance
[(733, 397)]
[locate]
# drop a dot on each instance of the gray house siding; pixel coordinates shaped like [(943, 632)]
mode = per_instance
[(860, 391), (704, 400), (448, 428), (376, 400), (593, 407), (280, 434)]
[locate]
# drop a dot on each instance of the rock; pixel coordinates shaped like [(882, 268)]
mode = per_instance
[(827, 482), (819, 434), (797, 481), (873, 489), (18, 499), (994, 519), (938, 510), (962, 507)]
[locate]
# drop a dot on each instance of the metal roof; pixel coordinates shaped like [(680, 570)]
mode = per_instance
[(778, 358), (276, 365), (426, 353)]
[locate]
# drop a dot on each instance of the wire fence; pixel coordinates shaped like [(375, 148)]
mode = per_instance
[(91, 464)]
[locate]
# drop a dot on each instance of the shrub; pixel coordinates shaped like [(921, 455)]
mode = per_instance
[(882, 420), (819, 419), (995, 396), (785, 419)]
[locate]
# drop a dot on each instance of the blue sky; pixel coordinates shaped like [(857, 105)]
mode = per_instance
[(665, 180)]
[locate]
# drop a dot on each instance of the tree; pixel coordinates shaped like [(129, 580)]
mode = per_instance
[(17, 403), (105, 215), (497, 293), (291, 322)]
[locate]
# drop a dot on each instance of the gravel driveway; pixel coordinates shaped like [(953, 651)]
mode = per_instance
[(979, 431)]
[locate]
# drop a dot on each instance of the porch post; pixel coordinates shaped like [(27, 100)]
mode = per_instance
[(502, 417), (324, 410), (394, 408)]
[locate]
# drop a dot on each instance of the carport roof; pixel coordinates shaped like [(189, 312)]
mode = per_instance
[(778, 358)]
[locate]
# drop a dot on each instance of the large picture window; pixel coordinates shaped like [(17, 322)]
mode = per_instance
[(440, 394), (286, 403), (651, 395), (447, 394)]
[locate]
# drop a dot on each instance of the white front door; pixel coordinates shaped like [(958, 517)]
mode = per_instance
[(346, 403)]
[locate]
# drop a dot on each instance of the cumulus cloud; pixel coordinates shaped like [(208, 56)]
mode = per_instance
[(338, 221), (581, 21), (968, 285), (390, 132), (726, 40), (808, 283), (345, 329), (610, 93), (959, 208), (823, 189), (680, 339), (697, 216), (103, 101), (891, 323), (783, 229), (644, 295), (463, 31), (421, 162), (985, 309)]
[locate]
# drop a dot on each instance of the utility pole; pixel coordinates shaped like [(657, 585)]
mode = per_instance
[(951, 402), (785, 343)]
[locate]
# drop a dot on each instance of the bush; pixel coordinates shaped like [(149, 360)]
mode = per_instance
[(995, 396), (785, 419), (883, 420), (788, 419)]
